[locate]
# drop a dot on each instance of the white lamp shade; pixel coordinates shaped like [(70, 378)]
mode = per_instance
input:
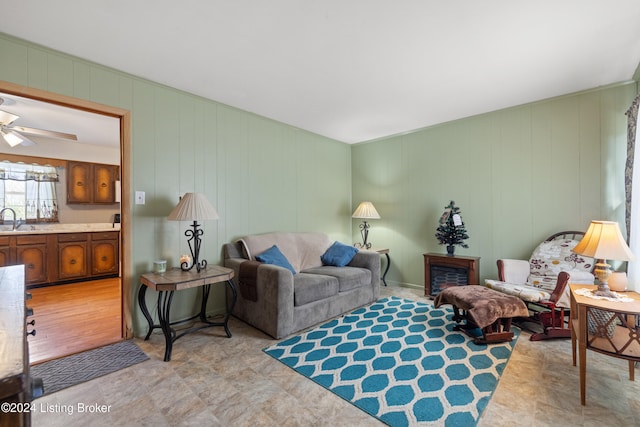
[(193, 207), (603, 240), (366, 210)]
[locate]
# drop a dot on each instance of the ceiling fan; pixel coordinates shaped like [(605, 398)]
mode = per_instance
[(14, 135)]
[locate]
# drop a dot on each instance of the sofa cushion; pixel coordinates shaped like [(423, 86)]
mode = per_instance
[(275, 257), (348, 277), (550, 258), (302, 250), (339, 254), (313, 287), (524, 292)]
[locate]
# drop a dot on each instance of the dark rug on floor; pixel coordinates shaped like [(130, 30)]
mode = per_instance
[(78, 368)]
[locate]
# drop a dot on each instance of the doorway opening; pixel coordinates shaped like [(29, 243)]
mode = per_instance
[(119, 287)]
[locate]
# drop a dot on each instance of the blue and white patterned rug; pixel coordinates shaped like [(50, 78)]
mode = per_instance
[(400, 361)]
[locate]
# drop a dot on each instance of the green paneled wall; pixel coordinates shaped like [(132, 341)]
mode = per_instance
[(518, 175), (261, 175)]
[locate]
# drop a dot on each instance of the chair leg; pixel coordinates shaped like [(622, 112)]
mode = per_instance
[(553, 324)]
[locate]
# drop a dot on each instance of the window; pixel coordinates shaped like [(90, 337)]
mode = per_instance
[(30, 191)]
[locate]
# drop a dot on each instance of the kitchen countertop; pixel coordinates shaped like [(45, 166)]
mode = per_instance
[(5, 230)]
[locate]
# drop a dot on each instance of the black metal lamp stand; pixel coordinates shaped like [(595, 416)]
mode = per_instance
[(194, 242), (364, 232)]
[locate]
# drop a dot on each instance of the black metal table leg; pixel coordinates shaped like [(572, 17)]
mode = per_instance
[(164, 315), (386, 270), (143, 307), (230, 309)]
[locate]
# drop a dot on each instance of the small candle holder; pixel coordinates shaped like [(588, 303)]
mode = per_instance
[(185, 262)]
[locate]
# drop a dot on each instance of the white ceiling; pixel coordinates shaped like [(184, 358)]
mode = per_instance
[(352, 70), (90, 128)]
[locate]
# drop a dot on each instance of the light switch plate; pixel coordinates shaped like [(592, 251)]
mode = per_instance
[(139, 197)]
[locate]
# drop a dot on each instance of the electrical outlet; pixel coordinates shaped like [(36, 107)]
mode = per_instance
[(139, 197)]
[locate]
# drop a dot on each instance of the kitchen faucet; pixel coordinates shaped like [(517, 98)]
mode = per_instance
[(16, 224)]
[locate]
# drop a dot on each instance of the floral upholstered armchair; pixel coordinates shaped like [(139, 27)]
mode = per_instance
[(541, 282)]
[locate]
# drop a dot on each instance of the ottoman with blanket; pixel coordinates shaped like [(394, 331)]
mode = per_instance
[(290, 281), (483, 308)]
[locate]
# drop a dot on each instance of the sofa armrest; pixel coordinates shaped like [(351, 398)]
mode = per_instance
[(371, 261), (272, 311), (514, 271)]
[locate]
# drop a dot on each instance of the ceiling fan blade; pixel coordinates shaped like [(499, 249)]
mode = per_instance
[(7, 118), (14, 138), (42, 132)]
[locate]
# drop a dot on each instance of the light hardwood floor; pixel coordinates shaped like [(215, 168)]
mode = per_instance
[(73, 318)]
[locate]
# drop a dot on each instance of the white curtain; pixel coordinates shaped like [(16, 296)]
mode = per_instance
[(30, 191), (633, 195)]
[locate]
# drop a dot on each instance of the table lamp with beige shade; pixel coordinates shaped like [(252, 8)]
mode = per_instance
[(603, 241), (365, 210), (194, 207)]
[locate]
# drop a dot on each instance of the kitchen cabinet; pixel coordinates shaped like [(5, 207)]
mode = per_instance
[(91, 182), (31, 250), (5, 252), (105, 254), (63, 257), (72, 256)]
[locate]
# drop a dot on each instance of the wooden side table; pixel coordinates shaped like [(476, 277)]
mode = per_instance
[(470, 265), (608, 327), (176, 280)]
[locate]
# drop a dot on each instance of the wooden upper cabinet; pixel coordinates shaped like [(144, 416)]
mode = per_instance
[(79, 182), (105, 178), (91, 182)]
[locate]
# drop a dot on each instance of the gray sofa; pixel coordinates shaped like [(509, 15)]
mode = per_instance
[(279, 302)]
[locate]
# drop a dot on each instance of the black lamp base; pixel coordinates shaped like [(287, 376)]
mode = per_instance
[(194, 241)]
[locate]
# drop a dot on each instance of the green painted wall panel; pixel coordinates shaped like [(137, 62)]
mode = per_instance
[(518, 175), (37, 69), (261, 175), (14, 70), (60, 74)]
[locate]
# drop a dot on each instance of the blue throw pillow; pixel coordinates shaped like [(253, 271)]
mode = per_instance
[(275, 257), (339, 254)]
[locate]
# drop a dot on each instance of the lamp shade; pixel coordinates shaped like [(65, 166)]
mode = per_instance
[(366, 210), (193, 207), (603, 240)]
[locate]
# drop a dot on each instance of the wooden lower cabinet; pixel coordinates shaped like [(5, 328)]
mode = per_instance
[(72, 256), (5, 252), (105, 254), (63, 257), (32, 251)]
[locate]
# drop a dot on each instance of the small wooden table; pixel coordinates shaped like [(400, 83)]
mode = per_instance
[(385, 252), (176, 280), (604, 326)]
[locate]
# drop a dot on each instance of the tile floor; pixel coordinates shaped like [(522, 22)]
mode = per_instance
[(215, 381)]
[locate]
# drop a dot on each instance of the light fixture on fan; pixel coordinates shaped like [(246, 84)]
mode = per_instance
[(13, 135)]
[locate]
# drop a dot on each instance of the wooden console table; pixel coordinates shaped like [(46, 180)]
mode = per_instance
[(15, 381), (610, 328), (471, 265), (176, 280)]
